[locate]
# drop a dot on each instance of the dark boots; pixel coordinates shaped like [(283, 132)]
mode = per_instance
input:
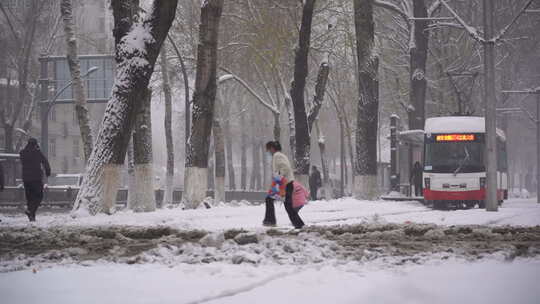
[(270, 214)]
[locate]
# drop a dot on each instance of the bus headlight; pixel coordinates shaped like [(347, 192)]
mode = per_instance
[(427, 183), (482, 182)]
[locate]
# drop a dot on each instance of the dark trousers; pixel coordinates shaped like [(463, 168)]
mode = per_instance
[(34, 195), (418, 190), (270, 215), (313, 192)]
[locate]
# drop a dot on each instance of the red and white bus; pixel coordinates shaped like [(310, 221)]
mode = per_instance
[(454, 162)]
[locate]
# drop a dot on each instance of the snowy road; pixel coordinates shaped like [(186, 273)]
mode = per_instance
[(523, 212), (489, 282)]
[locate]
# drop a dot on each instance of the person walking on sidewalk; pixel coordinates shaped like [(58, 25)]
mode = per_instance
[(33, 163), (1, 177), (284, 176), (315, 182)]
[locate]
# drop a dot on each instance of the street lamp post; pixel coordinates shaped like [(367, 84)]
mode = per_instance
[(46, 104)]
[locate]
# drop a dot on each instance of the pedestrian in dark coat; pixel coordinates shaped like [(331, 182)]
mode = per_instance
[(315, 182), (416, 178), (1, 177), (33, 163)]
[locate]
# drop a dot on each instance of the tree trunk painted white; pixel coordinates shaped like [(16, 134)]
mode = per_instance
[(203, 104), (219, 191), (110, 184), (366, 187), (137, 48), (81, 107), (195, 186), (145, 200), (169, 176), (142, 154)]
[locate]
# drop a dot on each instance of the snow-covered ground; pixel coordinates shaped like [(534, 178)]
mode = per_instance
[(523, 212), (389, 264), (489, 282)]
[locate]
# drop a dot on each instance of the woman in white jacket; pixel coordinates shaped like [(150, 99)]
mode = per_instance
[(281, 167)]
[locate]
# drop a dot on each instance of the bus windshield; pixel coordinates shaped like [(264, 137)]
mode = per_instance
[(454, 157)]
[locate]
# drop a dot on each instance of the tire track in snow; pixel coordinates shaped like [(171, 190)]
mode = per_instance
[(243, 289)]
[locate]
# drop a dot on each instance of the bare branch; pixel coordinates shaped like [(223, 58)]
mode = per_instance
[(516, 17), (473, 32), (392, 7)]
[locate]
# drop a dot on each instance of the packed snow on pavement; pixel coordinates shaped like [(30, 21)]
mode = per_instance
[(336, 212), (351, 252)]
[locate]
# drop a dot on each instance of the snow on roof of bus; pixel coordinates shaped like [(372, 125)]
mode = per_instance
[(459, 124), (455, 124)]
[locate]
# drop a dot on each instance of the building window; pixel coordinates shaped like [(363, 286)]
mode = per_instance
[(52, 147)]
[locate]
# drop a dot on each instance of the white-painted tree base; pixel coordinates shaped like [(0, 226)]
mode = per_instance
[(132, 185), (328, 193), (111, 182), (169, 188), (219, 189), (195, 186), (144, 198), (366, 187)]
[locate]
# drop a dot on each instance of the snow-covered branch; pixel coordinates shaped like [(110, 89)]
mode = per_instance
[(473, 32), (251, 90)]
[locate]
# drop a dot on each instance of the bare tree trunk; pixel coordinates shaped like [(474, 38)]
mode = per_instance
[(292, 126), (169, 178), (320, 89), (277, 127), (303, 142), (81, 107), (203, 103), (265, 176), (219, 155), (25, 43), (351, 149), (137, 49), (230, 158), (368, 103), (243, 156), (185, 77), (324, 163), (132, 197), (255, 157), (418, 58), (142, 155)]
